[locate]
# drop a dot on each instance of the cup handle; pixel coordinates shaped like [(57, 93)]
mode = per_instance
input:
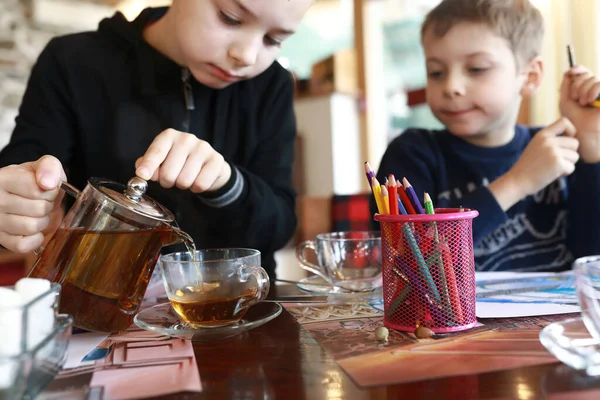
[(307, 265), (262, 281)]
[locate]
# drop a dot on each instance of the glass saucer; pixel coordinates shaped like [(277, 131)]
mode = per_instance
[(163, 319), (317, 285), (571, 343)]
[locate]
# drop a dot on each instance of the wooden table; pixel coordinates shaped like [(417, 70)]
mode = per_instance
[(280, 360)]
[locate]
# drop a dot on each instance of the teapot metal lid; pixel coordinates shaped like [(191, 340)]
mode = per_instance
[(132, 197)]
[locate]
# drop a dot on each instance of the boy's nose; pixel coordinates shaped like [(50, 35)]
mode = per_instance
[(454, 86), (245, 51)]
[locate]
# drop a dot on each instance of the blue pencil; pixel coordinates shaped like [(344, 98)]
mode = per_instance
[(410, 192), (401, 207)]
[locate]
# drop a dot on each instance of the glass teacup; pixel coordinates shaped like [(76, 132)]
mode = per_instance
[(216, 287), (587, 275), (350, 260)]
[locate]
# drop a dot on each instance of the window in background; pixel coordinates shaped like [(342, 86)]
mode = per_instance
[(326, 28), (404, 65)]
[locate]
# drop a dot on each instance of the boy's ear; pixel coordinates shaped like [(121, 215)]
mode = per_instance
[(534, 73)]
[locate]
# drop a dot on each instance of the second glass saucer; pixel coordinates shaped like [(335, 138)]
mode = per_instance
[(571, 343), (164, 320), (316, 284)]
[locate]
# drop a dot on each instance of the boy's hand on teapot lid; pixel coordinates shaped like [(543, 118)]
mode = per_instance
[(181, 159)]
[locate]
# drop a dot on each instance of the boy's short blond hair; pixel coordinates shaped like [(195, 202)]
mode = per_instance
[(518, 21)]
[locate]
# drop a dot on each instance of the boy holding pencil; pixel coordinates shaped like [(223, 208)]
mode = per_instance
[(536, 189)]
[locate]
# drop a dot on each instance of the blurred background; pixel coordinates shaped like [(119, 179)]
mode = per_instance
[(360, 80)]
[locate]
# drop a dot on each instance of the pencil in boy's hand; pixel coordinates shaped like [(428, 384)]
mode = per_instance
[(369, 172), (408, 207), (571, 56), (428, 204), (393, 193), (410, 192)]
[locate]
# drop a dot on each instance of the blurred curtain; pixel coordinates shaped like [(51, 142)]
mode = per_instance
[(573, 22)]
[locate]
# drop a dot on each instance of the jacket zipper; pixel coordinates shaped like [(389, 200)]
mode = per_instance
[(188, 96)]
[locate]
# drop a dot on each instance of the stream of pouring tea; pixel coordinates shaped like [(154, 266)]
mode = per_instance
[(186, 239)]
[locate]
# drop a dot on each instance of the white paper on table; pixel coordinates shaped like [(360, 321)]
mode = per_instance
[(544, 302), (80, 345)]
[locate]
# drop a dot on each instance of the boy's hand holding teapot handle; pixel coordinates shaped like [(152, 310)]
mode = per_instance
[(30, 203), (551, 154), (181, 159), (579, 89)]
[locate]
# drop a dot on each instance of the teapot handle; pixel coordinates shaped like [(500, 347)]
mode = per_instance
[(69, 189)]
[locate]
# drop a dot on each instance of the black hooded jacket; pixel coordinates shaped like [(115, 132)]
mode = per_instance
[(96, 100)]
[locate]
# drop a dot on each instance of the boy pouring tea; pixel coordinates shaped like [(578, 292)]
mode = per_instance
[(188, 97)]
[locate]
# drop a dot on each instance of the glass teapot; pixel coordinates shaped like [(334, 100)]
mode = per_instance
[(105, 250)]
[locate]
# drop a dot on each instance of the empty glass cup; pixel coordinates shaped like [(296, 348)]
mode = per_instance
[(587, 275)]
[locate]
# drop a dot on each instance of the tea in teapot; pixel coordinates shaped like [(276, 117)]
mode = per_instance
[(105, 251)]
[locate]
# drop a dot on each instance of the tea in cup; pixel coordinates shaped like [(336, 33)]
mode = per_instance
[(350, 260), (216, 287)]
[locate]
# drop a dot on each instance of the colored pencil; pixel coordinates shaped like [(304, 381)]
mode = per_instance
[(369, 172), (428, 204), (385, 199), (441, 265), (451, 281), (410, 192), (405, 200), (393, 193), (377, 193)]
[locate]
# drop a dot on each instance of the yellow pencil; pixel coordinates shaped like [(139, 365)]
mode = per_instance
[(377, 193)]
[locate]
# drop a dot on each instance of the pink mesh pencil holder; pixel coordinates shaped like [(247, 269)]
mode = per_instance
[(428, 270)]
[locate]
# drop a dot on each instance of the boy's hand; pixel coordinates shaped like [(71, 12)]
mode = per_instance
[(546, 158), (181, 159), (30, 199), (578, 90)]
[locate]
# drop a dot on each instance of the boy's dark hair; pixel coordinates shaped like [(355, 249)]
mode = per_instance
[(518, 21)]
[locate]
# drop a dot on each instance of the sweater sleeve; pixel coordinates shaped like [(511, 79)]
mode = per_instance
[(583, 185), (262, 215), (45, 123)]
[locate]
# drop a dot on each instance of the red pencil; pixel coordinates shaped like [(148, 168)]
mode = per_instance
[(405, 200), (393, 195)]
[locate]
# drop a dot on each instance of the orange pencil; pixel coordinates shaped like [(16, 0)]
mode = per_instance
[(451, 280), (385, 199)]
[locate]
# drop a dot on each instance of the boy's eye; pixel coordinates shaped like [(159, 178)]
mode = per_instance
[(475, 70), (271, 41), (228, 20), (434, 74)]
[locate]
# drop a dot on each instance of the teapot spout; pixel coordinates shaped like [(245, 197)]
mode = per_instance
[(179, 236)]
